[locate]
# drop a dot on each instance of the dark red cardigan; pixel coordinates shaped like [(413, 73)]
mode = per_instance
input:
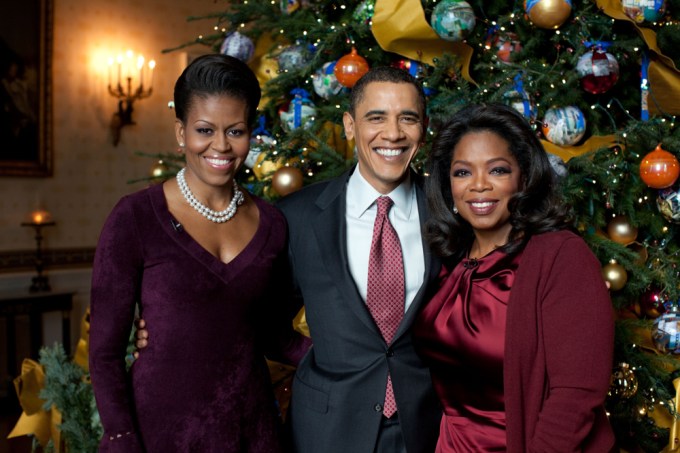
[(558, 350)]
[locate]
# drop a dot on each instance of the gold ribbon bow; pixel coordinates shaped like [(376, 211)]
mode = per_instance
[(35, 421)]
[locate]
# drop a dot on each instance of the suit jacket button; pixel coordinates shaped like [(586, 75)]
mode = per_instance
[(390, 352), (378, 407)]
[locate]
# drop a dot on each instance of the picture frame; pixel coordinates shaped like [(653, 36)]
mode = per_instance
[(26, 89)]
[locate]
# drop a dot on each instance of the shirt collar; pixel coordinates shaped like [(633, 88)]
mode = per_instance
[(361, 195)]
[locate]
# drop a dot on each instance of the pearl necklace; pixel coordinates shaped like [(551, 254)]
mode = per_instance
[(213, 216)]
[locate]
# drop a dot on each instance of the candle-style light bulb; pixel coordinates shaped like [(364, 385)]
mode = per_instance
[(152, 65), (140, 69)]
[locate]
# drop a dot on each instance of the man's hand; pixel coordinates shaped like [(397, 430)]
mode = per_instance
[(141, 336)]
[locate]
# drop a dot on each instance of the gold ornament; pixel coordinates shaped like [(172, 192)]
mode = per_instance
[(159, 172), (615, 274), (621, 231), (548, 14), (624, 383), (287, 180)]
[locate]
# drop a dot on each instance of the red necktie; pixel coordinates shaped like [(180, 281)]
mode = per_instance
[(385, 292)]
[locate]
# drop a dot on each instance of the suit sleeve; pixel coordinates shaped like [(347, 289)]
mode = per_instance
[(578, 333), (284, 344), (116, 279)]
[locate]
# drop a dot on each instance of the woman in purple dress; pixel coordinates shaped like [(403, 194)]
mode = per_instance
[(519, 335), (205, 262)]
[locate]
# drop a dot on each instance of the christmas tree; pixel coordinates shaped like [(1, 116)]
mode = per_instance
[(597, 80)]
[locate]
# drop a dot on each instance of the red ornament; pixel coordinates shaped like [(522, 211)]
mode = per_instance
[(659, 169), (652, 303), (598, 70), (350, 68)]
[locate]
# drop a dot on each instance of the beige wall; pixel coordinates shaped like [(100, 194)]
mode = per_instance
[(90, 174)]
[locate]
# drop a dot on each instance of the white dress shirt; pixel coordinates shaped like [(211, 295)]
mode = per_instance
[(360, 216)]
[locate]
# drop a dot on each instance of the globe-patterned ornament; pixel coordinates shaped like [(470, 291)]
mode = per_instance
[(598, 71), (506, 45), (293, 57), (668, 203), (564, 126), (453, 20), (644, 10), (238, 46), (666, 332)]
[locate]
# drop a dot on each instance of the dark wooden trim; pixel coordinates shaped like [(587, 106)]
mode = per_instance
[(22, 260)]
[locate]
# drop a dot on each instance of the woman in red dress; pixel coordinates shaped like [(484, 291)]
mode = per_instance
[(519, 335)]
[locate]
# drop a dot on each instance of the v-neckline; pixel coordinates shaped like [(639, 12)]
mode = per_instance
[(226, 271)]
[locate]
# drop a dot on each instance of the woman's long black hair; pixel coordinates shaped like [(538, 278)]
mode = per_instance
[(535, 208)]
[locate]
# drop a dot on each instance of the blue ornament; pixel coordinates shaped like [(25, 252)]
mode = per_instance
[(325, 83), (238, 46), (520, 100), (453, 20), (300, 112)]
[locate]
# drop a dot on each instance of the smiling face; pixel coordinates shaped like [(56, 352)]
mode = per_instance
[(216, 139), (484, 177), (387, 127)]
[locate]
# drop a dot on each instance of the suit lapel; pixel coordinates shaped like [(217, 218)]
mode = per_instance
[(330, 231)]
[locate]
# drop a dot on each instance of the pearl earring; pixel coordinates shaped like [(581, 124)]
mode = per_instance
[(181, 144), (455, 209)]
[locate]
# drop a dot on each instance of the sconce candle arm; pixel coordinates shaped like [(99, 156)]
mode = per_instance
[(126, 96)]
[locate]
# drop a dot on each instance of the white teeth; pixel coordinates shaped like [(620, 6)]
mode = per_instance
[(486, 204), (216, 161), (388, 152)]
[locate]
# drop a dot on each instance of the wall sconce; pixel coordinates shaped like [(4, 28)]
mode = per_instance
[(38, 220), (130, 73)]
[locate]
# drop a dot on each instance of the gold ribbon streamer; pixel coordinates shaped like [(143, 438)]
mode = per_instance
[(82, 350), (664, 77), (593, 143), (35, 421), (399, 26)]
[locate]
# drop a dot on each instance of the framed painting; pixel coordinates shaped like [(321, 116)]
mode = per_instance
[(26, 89)]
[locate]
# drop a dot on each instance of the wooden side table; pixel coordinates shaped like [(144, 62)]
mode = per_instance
[(34, 305)]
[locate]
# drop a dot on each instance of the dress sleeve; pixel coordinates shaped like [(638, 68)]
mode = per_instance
[(116, 279), (283, 343), (578, 333)]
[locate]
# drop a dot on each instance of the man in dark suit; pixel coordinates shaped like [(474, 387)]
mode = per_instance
[(339, 390), (340, 386)]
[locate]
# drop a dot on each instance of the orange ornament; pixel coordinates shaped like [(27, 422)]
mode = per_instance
[(350, 68), (659, 169)]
